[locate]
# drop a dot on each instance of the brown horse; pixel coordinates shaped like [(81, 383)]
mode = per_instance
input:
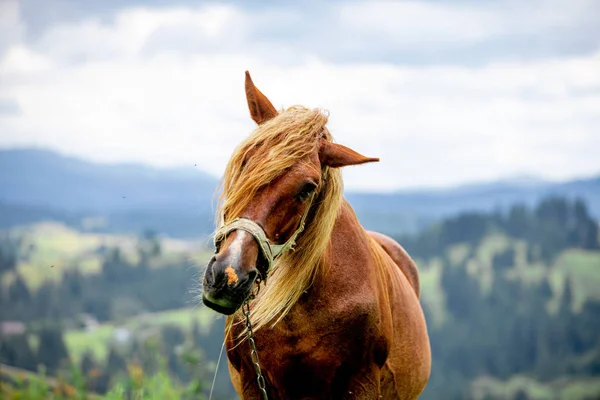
[(338, 316)]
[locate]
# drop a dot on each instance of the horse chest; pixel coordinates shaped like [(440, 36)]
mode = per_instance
[(319, 355)]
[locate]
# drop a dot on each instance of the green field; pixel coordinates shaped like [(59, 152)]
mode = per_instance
[(97, 339), (49, 249), (431, 291), (583, 267), (563, 389)]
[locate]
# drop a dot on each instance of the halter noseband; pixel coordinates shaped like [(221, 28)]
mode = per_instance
[(269, 250)]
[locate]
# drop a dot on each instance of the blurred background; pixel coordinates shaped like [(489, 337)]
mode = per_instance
[(117, 119)]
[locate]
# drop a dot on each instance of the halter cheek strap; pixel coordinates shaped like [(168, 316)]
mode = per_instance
[(270, 251)]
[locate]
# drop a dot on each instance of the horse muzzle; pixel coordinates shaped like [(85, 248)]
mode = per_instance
[(226, 286)]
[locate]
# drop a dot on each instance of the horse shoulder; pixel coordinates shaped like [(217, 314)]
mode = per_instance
[(401, 258)]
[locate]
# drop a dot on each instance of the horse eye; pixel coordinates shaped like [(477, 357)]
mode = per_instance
[(305, 192)]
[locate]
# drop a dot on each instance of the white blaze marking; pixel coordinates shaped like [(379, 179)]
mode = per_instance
[(235, 249)]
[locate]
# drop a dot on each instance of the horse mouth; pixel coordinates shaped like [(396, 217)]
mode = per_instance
[(227, 310)]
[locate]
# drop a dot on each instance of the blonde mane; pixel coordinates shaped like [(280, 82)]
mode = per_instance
[(289, 138)]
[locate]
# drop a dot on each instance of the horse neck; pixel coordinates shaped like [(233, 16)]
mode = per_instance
[(347, 258)]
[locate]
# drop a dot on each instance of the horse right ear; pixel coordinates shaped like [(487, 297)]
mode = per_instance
[(335, 155), (260, 107)]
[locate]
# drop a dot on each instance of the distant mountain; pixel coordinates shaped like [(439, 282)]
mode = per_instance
[(39, 184), (130, 196), (47, 179), (414, 208)]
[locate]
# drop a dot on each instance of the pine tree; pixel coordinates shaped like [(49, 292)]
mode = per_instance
[(16, 351), (52, 351), (87, 363), (18, 291), (115, 362)]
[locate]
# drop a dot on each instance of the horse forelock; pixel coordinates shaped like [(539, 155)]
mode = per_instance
[(286, 140)]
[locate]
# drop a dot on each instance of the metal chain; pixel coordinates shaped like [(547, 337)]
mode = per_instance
[(253, 353)]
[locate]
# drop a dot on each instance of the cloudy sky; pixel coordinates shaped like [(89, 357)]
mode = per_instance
[(444, 92)]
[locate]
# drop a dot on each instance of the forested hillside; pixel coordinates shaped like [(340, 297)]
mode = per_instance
[(512, 301)]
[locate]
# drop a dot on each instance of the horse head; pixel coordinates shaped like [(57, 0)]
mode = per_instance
[(273, 185)]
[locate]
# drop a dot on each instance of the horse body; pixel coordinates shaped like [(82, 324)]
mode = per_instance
[(337, 318), (337, 342)]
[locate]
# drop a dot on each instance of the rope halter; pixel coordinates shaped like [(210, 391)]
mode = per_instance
[(270, 251)]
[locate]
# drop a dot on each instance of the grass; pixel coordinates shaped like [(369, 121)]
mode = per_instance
[(565, 388), (49, 249), (458, 253), (530, 273), (182, 318), (97, 340), (53, 240), (583, 267), (480, 265), (581, 390), (491, 245), (523, 270), (431, 291), (21, 384), (134, 384)]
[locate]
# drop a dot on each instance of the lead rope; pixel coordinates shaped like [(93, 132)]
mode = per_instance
[(253, 353), (216, 371)]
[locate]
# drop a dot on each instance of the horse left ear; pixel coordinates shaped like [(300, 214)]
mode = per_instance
[(261, 109), (336, 155)]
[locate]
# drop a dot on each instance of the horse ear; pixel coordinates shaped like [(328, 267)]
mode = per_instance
[(261, 109), (335, 155)]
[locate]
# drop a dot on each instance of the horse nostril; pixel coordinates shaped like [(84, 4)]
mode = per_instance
[(252, 275), (209, 274)]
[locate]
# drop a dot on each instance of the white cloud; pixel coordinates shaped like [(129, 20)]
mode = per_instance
[(11, 28), (416, 23), (20, 60), (114, 92)]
